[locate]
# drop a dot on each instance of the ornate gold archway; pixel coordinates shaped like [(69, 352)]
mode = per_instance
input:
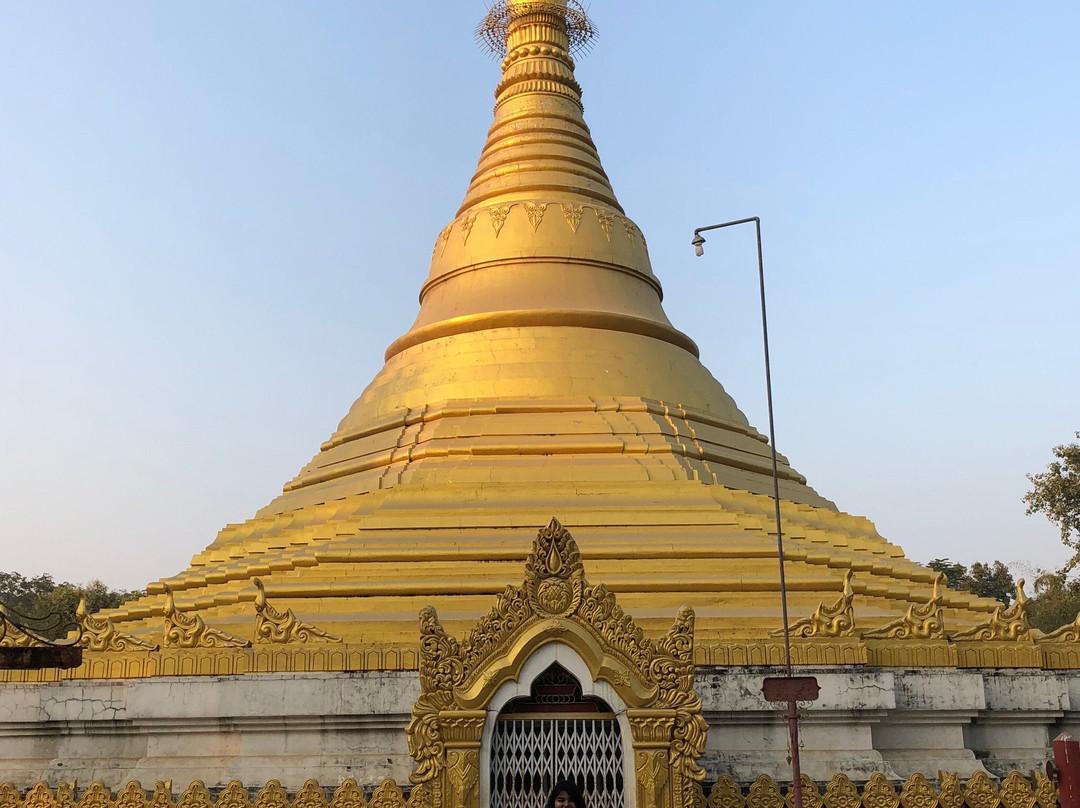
[(555, 603)]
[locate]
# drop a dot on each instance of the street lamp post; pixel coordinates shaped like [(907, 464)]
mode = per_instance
[(794, 688)]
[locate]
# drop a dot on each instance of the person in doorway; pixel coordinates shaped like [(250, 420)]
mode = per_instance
[(565, 794)]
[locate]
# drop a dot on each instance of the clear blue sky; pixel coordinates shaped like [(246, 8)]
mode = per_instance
[(214, 217)]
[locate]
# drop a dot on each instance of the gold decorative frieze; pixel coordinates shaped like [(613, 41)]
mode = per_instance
[(922, 622), (273, 626), (534, 211), (388, 794), (837, 620), (1015, 791), (191, 631), (1009, 624), (99, 633), (1061, 648)]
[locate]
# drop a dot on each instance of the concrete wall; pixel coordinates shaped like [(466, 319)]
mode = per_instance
[(330, 726)]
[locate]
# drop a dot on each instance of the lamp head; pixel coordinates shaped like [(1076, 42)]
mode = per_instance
[(699, 244)]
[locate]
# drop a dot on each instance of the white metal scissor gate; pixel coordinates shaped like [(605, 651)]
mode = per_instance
[(529, 755)]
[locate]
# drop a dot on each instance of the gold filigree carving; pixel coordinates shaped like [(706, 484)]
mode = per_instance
[(420, 797), (1016, 791), (272, 795), (949, 793), (9, 797), (443, 239), (606, 220), (918, 793), (556, 600), (879, 793), (535, 212), (65, 795), (99, 633), (837, 620), (132, 795), (233, 796), (12, 635), (387, 795), (1070, 632), (498, 217), (195, 796), (572, 213), (466, 223), (189, 631), (1004, 624), (348, 795), (310, 795), (275, 626), (726, 793), (39, 797), (811, 797), (97, 796), (923, 622), (980, 792), (841, 793), (631, 230), (1046, 794), (764, 793)]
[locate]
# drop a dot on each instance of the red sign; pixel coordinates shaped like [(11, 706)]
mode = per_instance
[(790, 688)]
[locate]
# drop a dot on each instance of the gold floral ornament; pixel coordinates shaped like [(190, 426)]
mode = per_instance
[(918, 793), (837, 620), (132, 795), (39, 797), (1070, 632), (572, 213), (1016, 791), (654, 678), (12, 635), (99, 633), (980, 792), (726, 793), (879, 793), (949, 793), (841, 793), (189, 631), (535, 212), (272, 625), (922, 622), (1004, 624), (272, 795), (348, 795)]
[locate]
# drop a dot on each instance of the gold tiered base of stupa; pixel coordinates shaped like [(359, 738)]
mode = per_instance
[(542, 379)]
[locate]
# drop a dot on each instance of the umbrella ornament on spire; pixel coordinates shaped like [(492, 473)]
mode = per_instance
[(505, 16)]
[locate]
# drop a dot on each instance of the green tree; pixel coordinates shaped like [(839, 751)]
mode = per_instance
[(954, 573), (985, 580), (1056, 494), (991, 581), (1056, 601)]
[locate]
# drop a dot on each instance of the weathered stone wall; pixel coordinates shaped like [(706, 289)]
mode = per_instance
[(333, 726)]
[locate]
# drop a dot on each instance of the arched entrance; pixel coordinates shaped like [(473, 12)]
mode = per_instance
[(552, 734), (469, 687)]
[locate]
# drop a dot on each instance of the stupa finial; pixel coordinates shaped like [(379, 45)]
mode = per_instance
[(503, 17)]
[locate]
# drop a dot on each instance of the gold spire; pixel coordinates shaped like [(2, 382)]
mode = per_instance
[(540, 295)]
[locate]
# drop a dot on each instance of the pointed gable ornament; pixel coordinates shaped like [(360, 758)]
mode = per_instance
[(555, 602)]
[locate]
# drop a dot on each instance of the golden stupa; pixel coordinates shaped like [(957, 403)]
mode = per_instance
[(542, 378)]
